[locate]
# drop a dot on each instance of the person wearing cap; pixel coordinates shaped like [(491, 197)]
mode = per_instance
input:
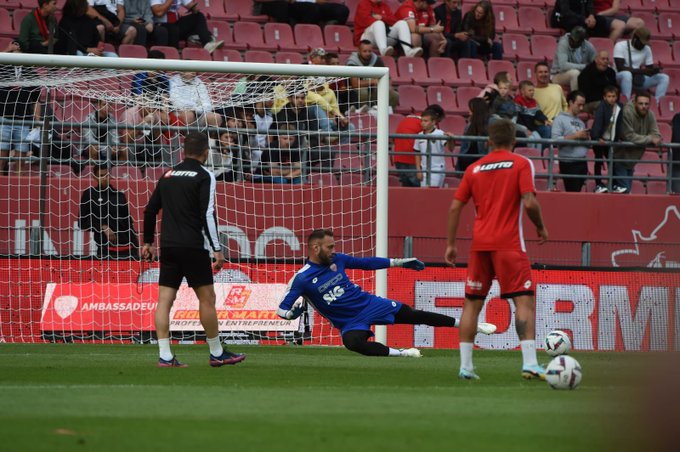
[(635, 65), (425, 31), (572, 55), (317, 56)]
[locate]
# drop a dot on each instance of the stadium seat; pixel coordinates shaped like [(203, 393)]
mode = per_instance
[(661, 52), (638, 187), (338, 38), (603, 44), (650, 165), (463, 96), (443, 68), (674, 75), (171, 53), (669, 106), (243, 10), (667, 5), (251, 34), (626, 5), (415, 69), (666, 131), (222, 31), (6, 28), (363, 123), (227, 55), (196, 54), (132, 51), (454, 124), (444, 96), (322, 179), (534, 3), (650, 21), (411, 99), (472, 72), (525, 71), (125, 172), (60, 171), (496, 66), (351, 179), (543, 47), (536, 18), (352, 6), (258, 56), (668, 26), (289, 58), (532, 154), (308, 36), (517, 46), (281, 36), (18, 17), (72, 111), (5, 41), (213, 9), (657, 187), (506, 18), (451, 181)]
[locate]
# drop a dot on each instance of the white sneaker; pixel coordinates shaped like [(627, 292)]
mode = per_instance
[(364, 108), (486, 328), (619, 189), (195, 39), (601, 189), (387, 51), (414, 52), (410, 353), (213, 45)]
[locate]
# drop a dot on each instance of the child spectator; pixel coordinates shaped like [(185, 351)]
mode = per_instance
[(490, 91), (530, 114), (606, 129), (504, 107), (471, 151), (282, 161), (430, 158)]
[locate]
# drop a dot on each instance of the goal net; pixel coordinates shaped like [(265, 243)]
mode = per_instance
[(84, 141)]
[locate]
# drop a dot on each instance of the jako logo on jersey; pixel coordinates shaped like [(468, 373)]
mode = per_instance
[(334, 294), (180, 173), (493, 166)]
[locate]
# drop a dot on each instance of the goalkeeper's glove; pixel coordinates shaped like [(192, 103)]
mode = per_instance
[(410, 262), (295, 311)]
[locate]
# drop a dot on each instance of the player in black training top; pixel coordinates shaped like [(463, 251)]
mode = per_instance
[(186, 194)]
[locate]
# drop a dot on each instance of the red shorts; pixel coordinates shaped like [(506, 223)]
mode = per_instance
[(511, 268)]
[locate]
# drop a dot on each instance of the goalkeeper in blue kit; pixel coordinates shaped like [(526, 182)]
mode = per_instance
[(323, 283)]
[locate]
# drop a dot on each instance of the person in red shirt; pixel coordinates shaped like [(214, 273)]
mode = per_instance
[(425, 32), (371, 22), (499, 184)]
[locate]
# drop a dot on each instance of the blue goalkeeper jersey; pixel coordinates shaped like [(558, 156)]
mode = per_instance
[(330, 291)]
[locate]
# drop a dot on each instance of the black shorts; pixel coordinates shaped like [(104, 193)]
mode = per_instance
[(191, 263), (601, 29)]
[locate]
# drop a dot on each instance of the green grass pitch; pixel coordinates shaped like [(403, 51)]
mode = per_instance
[(68, 397)]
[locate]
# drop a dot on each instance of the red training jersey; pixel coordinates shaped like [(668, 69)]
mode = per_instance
[(408, 10), (409, 125), (363, 18), (496, 183)]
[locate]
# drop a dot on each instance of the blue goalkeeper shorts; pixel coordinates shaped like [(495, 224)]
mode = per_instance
[(380, 311)]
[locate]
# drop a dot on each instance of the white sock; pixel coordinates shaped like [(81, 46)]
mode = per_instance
[(466, 356), (164, 349), (528, 352), (215, 346), (457, 325), (394, 352)]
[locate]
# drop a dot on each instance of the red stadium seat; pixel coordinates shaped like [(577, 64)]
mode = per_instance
[(243, 10), (322, 179), (661, 52), (517, 46), (6, 28), (289, 58), (472, 71), (506, 18), (496, 66), (227, 55), (132, 51), (395, 78), (650, 165), (674, 75), (454, 124), (443, 68), (534, 3), (411, 98), (532, 154), (338, 38), (543, 47), (214, 9), (196, 54), (627, 5), (308, 36), (251, 34), (18, 17), (666, 131), (667, 5), (657, 187), (415, 69), (258, 56), (463, 96), (603, 44), (222, 31), (281, 36), (669, 25), (529, 16), (352, 6), (650, 21), (525, 71), (444, 96), (171, 53)]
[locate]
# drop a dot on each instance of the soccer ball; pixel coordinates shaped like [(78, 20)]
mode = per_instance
[(563, 372), (557, 343)]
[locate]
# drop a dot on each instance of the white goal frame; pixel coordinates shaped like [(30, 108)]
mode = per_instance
[(382, 138)]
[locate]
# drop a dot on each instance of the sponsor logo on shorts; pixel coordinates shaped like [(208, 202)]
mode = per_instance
[(174, 173), (527, 283), (474, 285), (493, 166), (394, 304)]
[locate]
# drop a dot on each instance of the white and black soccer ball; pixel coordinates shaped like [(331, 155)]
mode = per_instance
[(563, 372), (557, 343)]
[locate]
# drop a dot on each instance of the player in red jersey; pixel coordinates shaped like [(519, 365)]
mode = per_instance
[(499, 184)]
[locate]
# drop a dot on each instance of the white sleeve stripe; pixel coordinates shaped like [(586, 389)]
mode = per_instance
[(210, 215)]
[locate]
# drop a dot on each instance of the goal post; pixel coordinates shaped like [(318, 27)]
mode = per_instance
[(44, 247)]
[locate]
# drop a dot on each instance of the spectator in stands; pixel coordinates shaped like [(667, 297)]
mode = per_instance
[(146, 137), (221, 159), (568, 14), (347, 98), (190, 98), (635, 65), (638, 125), (295, 113), (606, 129), (504, 107), (530, 115), (375, 22), (550, 96), (100, 135), (151, 83), (38, 32), (617, 23), (430, 155), (18, 107), (324, 105), (478, 126), (572, 157), (137, 13), (458, 42), (317, 56), (594, 78), (675, 167), (572, 55), (180, 27), (282, 161), (108, 15), (425, 31), (104, 211), (368, 87), (480, 25), (490, 91), (404, 158), (263, 121), (78, 33), (320, 12)]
